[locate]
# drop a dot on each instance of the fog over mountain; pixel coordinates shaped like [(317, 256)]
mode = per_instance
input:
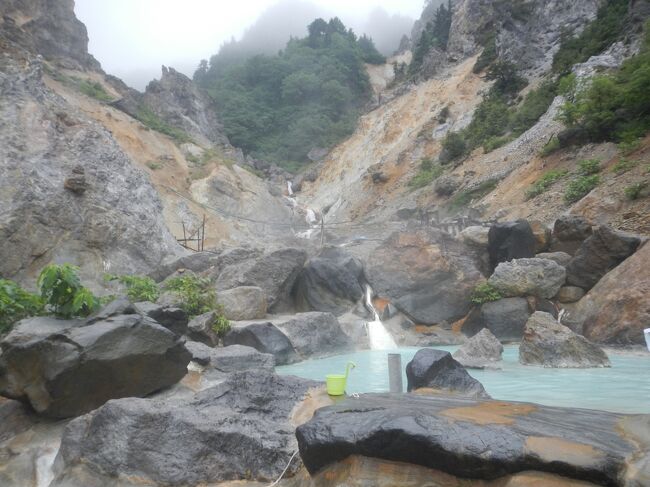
[(133, 39)]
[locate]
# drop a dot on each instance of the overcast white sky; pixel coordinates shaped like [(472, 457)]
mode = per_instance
[(133, 38)]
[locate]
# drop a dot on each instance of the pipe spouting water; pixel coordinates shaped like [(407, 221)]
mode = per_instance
[(378, 335)]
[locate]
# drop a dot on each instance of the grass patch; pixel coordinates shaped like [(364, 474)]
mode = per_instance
[(580, 187), (154, 122), (635, 191), (626, 147), (553, 145), (464, 198), (485, 293), (546, 181), (93, 89), (495, 142), (624, 165), (427, 174), (587, 167)]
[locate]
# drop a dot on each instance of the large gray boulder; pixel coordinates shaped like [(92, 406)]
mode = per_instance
[(239, 429), (235, 358), (504, 318), (200, 329), (436, 369), (550, 344), (598, 255), (174, 319), (528, 277), (480, 440), (63, 369), (481, 351), (569, 231), (275, 273), (331, 282), (315, 334), (263, 337), (510, 240), (426, 274), (243, 303)]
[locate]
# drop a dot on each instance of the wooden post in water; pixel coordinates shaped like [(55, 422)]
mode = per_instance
[(395, 373)]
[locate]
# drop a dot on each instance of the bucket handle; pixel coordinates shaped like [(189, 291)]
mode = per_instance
[(350, 365)]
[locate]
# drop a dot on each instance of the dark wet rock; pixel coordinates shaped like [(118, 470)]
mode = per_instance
[(570, 294), (528, 277), (504, 318), (239, 429), (275, 273), (174, 319), (119, 306), (15, 417), (331, 282), (617, 309), (598, 255), (426, 274), (510, 240), (76, 182), (263, 337), (314, 334), (235, 358), (436, 369), (200, 329), (63, 369), (561, 258), (541, 304), (243, 303), (481, 351), (542, 235), (569, 231), (550, 344), (476, 439)]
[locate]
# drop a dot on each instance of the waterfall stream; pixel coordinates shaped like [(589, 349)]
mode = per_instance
[(378, 335)]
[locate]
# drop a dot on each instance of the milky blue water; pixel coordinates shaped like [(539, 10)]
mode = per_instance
[(625, 387)]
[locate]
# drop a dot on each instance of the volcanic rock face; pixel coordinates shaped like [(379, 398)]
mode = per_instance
[(436, 369), (64, 369), (243, 303), (480, 439), (511, 240), (263, 337), (550, 344), (426, 274), (315, 334), (480, 351), (238, 429), (542, 278), (505, 319)]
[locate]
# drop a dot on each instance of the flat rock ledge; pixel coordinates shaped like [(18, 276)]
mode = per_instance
[(477, 439)]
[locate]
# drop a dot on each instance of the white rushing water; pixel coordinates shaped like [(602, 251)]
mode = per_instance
[(290, 188), (378, 335)]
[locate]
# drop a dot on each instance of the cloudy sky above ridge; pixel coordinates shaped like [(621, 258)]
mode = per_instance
[(133, 38)]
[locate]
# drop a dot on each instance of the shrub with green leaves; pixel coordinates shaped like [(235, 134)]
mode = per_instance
[(635, 191), (485, 293), (551, 146), (546, 181), (454, 146), (154, 122), (196, 294), (624, 165), (62, 292), (221, 325), (464, 198), (93, 89), (138, 288), (428, 173), (587, 167), (580, 187), (488, 55), (16, 304), (495, 142)]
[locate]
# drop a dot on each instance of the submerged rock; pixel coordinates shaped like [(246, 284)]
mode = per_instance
[(63, 369), (505, 318), (599, 254), (265, 338), (484, 440), (239, 429), (550, 344), (436, 369), (523, 277), (481, 351)]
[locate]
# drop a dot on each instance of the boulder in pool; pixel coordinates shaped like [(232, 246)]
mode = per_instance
[(314, 334), (542, 278), (504, 318), (437, 370), (481, 439), (64, 369), (263, 337), (547, 343), (233, 358), (483, 350)]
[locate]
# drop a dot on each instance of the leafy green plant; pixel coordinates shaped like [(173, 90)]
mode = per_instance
[(154, 122), (546, 181), (93, 89), (580, 187), (487, 56), (428, 173), (138, 288), (62, 292), (196, 294), (495, 142), (221, 325), (624, 165), (154, 166), (454, 146), (587, 167), (627, 146), (485, 293), (464, 198), (551, 146), (16, 304), (635, 191)]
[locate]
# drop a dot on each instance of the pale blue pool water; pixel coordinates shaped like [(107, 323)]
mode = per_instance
[(625, 387)]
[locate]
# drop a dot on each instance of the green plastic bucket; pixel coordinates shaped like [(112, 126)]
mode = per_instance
[(336, 382)]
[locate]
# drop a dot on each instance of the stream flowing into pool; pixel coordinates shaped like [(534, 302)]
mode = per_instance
[(625, 387)]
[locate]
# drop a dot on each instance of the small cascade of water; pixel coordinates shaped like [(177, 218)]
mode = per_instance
[(311, 216), (378, 335), (290, 188)]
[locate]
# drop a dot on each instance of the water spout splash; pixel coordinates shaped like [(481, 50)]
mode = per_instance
[(290, 188), (378, 335)]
